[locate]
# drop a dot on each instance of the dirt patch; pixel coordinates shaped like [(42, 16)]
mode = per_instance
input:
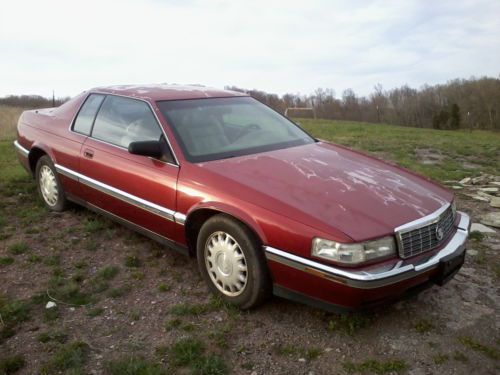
[(428, 156), (146, 302)]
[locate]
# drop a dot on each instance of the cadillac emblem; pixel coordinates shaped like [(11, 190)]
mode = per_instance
[(439, 233)]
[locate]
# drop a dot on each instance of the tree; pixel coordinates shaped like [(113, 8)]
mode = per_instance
[(455, 117)]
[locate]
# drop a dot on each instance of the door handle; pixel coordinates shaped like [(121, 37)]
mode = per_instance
[(88, 153)]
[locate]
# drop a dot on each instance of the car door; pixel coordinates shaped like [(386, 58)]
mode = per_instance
[(138, 189)]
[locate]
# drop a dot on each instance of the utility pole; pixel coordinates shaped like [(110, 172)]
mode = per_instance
[(53, 99)]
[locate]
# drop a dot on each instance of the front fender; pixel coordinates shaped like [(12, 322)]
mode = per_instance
[(232, 211)]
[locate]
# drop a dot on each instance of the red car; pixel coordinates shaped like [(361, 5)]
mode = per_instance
[(265, 207)]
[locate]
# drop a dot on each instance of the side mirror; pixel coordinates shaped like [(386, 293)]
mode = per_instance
[(146, 148)]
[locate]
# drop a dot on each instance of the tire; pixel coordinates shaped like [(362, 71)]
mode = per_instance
[(49, 186), (223, 263)]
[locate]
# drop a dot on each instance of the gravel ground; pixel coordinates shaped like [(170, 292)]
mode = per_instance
[(141, 300)]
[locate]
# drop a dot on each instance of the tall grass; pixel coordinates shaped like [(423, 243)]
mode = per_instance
[(8, 121)]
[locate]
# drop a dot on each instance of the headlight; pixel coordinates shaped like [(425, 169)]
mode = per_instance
[(353, 253)]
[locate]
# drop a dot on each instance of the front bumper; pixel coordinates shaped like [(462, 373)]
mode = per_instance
[(385, 275)]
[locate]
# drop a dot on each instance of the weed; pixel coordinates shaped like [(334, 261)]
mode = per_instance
[(312, 353), (79, 276), (349, 323), (51, 314), (132, 261), (93, 224), (134, 366), (440, 358), (33, 258), (68, 291), (162, 287), (52, 260), (95, 311), (58, 337), (118, 292), (18, 248), (137, 275), (478, 347), (377, 367), (186, 352), (476, 235), (173, 324), (108, 272), (80, 265), (211, 365), (14, 311), (423, 326), (6, 261), (12, 364), (68, 357)]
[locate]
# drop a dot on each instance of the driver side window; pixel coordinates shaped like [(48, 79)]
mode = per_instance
[(121, 121)]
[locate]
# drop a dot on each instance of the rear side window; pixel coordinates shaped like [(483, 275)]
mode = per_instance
[(85, 118), (122, 120)]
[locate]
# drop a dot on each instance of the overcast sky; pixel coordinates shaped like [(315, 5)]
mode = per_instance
[(275, 46)]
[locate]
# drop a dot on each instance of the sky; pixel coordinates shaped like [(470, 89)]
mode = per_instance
[(274, 46)]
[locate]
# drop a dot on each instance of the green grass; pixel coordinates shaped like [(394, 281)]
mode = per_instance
[(118, 292), (18, 248), (377, 367), (134, 366), (398, 144), (440, 358), (69, 357), (476, 235), (12, 364), (132, 261), (162, 287), (95, 311), (488, 351), (186, 352), (349, 324), (55, 336), (6, 261), (423, 326), (108, 272)]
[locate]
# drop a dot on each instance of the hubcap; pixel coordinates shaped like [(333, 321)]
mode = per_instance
[(48, 185), (226, 264)]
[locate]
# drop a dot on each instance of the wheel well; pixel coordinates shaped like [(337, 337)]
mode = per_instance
[(197, 219), (35, 154)]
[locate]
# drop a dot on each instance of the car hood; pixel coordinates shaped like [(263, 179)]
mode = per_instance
[(327, 186)]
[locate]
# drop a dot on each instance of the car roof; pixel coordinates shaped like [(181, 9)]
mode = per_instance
[(167, 92)]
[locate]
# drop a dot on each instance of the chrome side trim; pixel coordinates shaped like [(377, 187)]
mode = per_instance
[(179, 218), (122, 195), (374, 278), (21, 149), (423, 221)]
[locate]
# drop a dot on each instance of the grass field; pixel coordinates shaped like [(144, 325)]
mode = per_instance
[(438, 154), (127, 306)]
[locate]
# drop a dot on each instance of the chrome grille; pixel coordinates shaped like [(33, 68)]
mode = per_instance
[(425, 238)]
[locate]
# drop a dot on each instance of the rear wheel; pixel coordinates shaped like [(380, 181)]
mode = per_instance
[(232, 263), (49, 186)]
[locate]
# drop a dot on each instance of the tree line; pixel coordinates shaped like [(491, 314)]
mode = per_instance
[(32, 101), (459, 104)]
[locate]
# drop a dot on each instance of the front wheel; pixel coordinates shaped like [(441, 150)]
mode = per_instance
[(232, 263), (49, 186)]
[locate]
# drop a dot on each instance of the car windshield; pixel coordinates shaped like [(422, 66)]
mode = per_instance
[(218, 128)]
